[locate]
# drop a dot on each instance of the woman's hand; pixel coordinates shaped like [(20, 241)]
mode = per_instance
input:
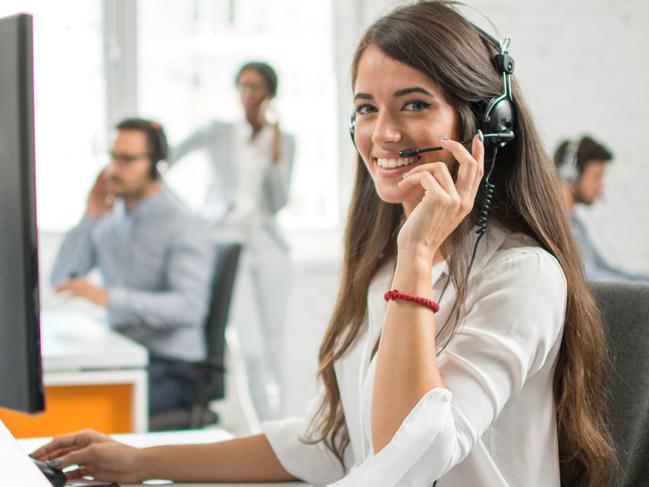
[(445, 203), (268, 115), (97, 455)]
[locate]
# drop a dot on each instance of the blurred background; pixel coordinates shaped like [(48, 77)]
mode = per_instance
[(582, 66)]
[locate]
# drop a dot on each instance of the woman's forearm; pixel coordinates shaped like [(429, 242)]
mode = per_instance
[(406, 365), (242, 459)]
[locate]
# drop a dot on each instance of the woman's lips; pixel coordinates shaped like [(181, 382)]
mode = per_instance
[(384, 165)]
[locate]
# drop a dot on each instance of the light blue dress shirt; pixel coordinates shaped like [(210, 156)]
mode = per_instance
[(156, 263), (595, 267)]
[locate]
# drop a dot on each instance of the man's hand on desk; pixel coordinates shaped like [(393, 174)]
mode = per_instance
[(82, 288)]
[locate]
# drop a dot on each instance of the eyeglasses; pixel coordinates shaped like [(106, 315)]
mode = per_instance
[(126, 159)]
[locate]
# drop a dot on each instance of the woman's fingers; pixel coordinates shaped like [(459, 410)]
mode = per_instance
[(477, 150), (424, 179), (52, 449), (439, 171), (471, 165), (83, 456), (57, 454)]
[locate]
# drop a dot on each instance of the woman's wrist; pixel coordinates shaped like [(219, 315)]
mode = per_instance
[(413, 274), (145, 464), (417, 257)]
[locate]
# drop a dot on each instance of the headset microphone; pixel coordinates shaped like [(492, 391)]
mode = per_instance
[(499, 137)]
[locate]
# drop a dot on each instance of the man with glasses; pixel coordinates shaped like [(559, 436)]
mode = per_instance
[(154, 256)]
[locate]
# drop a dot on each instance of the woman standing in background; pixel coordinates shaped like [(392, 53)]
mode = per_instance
[(251, 162)]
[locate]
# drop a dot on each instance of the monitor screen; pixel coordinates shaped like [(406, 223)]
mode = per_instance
[(21, 386)]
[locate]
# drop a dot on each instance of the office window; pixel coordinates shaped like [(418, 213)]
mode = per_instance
[(188, 54), (69, 104)]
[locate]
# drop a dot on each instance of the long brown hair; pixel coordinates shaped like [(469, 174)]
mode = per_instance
[(435, 39)]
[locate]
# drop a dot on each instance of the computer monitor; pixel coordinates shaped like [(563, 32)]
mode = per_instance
[(21, 385)]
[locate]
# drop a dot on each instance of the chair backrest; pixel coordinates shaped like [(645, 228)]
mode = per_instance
[(226, 263), (625, 310)]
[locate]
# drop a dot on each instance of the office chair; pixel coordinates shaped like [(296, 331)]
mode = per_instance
[(211, 371), (625, 310)]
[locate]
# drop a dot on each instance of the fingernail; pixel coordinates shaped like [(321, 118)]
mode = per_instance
[(56, 463), (404, 175), (480, 135)]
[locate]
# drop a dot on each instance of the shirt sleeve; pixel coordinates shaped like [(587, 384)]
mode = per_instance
[(77, 255), (198, 139), (515, 319), (312, 463), (184, 302), (277, 180)]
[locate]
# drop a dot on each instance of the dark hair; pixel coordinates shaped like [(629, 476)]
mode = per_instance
[(435, 39), (156, 140), (587, 152), (266, 71)]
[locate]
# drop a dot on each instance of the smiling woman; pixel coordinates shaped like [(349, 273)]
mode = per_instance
[(490, 377), (398, 107), (468, 387)]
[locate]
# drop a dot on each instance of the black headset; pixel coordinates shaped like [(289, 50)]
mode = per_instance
[(496, 120), (499, 115), (159, 146)]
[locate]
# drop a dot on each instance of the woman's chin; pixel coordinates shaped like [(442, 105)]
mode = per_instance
[(395, 195)]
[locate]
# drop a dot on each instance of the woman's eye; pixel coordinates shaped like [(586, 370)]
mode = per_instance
[(365, 109), (415, 106)]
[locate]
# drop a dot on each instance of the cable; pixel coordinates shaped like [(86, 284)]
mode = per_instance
[(487, 200)]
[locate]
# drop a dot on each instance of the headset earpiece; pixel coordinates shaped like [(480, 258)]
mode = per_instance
[(497, 121), (161, 148), (352, 127), (568, 167)]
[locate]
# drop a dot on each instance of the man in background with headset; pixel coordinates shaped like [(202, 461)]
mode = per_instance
[(581, 165), (155, 259)]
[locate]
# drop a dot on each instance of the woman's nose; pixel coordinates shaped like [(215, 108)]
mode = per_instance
[(386, 131)]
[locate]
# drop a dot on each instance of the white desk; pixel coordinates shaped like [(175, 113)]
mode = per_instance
[(74, 340), (176, 437), (79, 350)]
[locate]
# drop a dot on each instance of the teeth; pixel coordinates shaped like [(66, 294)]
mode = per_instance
[(392, 163)]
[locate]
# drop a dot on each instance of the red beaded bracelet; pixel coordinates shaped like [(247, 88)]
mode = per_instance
[(395, 294)]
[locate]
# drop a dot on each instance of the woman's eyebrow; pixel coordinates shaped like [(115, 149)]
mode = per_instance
[(402, 92), (413, 89), (363, 96)]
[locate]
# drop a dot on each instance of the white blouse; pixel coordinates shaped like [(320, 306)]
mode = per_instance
[(251, 160), (494, 424)]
